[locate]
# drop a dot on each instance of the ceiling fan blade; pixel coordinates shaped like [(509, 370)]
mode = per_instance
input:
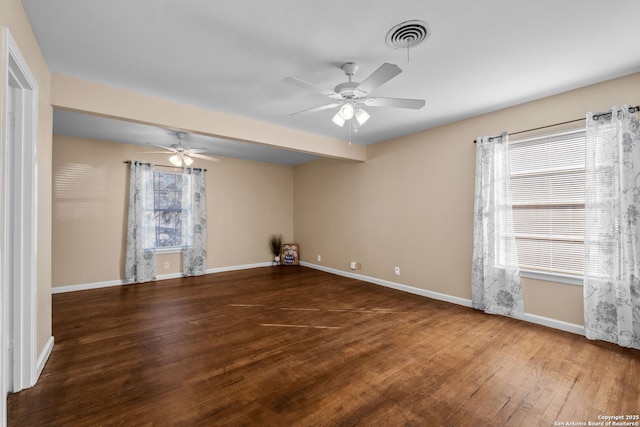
[(414, 104), (316, 109), (169, 149), (196, 150), (379, 77), (312, 86), (200, 156), (153, 152)]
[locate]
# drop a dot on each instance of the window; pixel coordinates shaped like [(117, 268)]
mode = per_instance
[(548, 191), (168, 209)]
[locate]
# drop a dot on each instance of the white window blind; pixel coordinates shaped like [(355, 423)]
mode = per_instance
[(548, 188)]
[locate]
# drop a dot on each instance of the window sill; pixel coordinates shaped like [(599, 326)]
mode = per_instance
[(175, 250), (569, 279)]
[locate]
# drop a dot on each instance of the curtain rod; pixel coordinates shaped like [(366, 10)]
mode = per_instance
[(163, 166), (595, 116)]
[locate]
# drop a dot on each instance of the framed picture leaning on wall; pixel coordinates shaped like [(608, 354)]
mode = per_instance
[(290, 254)]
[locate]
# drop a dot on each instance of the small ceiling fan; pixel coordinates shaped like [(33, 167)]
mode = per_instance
[(350, 96), (181, 154)]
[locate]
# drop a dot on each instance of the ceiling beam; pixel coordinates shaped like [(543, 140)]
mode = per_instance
[(84, 96)]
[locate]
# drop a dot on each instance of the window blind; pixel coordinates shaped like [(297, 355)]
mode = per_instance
[(548, 189)]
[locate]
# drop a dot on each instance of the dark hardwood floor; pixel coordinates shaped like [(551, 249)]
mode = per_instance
[(292, 346)]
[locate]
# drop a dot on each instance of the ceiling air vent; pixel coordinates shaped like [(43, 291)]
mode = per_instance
[(408, 34)]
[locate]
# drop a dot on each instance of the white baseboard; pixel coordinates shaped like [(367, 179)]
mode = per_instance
[(393, 285), (532, 318), (239, 267), (97, 285), (86, 286), (554, 323), (44, 356), (168, 276)]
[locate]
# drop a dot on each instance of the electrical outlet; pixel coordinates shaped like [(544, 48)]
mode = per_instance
[(396, 271), (166, 265), (352, 265), (319, 258)]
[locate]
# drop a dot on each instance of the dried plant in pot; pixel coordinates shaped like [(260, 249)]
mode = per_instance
[(275, 244)]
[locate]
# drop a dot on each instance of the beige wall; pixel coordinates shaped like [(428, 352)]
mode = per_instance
[(411, 204), (246, 202), (12, 15)]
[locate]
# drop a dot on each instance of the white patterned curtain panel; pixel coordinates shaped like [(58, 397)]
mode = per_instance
[(194, 222), (495, 277), (612, 227), (140, 261)]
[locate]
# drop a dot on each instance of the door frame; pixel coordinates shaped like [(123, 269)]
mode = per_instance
[(18, 265)]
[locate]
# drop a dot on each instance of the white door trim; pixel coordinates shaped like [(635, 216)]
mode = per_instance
[(18, 266)]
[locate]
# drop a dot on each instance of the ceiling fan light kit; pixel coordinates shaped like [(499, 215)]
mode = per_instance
[(348, 112), (179, 158)]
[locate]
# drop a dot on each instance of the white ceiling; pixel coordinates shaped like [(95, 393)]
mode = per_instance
[(231, 56)]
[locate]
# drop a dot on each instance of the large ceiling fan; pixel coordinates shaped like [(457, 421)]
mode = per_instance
[(351, 96), (181, 154)]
